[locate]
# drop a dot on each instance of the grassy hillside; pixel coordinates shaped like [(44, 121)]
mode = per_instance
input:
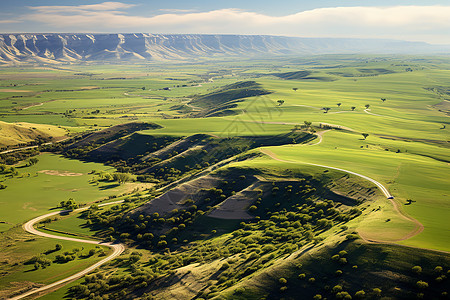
[(14, 134), (236, 162)]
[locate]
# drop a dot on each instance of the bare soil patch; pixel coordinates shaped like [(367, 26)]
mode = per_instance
[(13, 91), (60, 173)]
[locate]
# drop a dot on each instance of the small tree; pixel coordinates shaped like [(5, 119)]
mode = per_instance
[(307, 124), (33, 161), (295, 89), (360, 294), (280, 102), (121, 177), (367, 106), (365, 135), (326, 109), (353, 108), (377, 291), (417, 269), (383, 99), (422, 284), (339, 104), (58, 247)]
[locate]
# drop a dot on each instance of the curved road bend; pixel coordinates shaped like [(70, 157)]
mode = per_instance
[(117, 249), (383, 189)]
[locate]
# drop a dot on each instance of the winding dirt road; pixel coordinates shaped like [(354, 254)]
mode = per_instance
[(29, 227), (419, 226), (379, 185)]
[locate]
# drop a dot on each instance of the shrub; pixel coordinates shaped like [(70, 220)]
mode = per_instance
[(422, 284), (377, 291), (417, 269), (360, 294), (342, 260), (336, 289), (282, 280), (343, 295)]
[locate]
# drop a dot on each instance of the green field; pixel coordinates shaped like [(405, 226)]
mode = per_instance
[(36, 189), (403, 114)]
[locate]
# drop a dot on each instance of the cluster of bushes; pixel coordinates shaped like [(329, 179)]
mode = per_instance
[(279, 228)]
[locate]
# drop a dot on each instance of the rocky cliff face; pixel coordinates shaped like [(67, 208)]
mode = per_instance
[(54, 48)]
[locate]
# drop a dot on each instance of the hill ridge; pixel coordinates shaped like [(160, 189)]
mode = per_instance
[(54, 48)]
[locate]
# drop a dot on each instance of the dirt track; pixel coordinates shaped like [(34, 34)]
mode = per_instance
[(419, 226), (29, 227)]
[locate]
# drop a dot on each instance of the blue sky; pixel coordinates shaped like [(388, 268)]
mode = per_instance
[(414, 20)]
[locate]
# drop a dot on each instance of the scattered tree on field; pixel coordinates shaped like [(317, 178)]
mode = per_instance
[(365, 135), (383, 99), (280, 102), (367, 106), (326, 109), (69, 204), (121, 177), (339, 104), (295, 89), (353, 108), (307, 124), (33, 161), (422, 284)]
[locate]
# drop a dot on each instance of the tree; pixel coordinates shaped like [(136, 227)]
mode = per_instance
[(280, 102), (339, 104), (353, 108), (307, 124), (33, 161), (326, 109), (121, 177), (360, 294), (295, 89), (422, 284), (58, 247), (417, 269), (377, 291), (365, 135), (383, 99), (367, 106)]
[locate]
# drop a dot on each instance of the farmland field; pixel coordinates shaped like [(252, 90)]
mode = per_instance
[(177, 132)]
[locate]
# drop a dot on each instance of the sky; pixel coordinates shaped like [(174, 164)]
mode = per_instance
[(412, 20)]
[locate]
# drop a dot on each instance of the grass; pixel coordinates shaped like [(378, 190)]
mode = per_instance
[(406, 150), (27, 197), (19, 247), (17, 133), (407, 176)]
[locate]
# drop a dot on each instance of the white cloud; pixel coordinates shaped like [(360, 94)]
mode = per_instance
[(105, 6), (175, 10), (426, 23), (8, 21)]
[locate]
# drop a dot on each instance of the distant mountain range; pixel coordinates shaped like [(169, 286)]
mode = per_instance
[(80, 47)]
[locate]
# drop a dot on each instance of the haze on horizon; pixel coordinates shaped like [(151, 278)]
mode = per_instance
[(426, 21)]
